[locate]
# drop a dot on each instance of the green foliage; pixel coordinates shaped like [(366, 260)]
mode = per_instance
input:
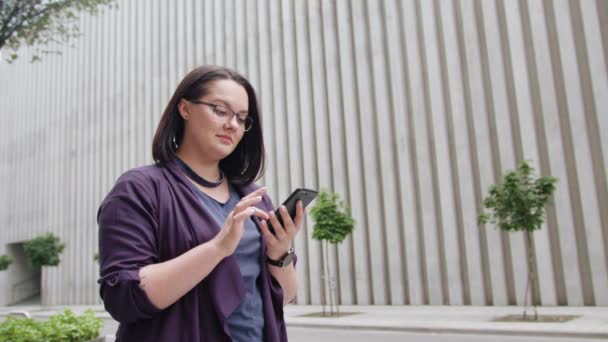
[(43, 250), (518, 203), (96, 257), (5, 261), (38, 23), (333, 221), (21, 330), (61, 327), (69, 327)]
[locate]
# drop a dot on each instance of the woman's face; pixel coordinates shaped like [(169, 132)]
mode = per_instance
[(212, 136)]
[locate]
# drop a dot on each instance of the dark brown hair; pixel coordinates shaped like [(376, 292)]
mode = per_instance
[(246, 163)]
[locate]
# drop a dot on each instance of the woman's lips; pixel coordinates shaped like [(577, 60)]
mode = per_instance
[(225, 138)]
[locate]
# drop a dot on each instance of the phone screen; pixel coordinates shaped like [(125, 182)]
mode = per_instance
[(304, 195)]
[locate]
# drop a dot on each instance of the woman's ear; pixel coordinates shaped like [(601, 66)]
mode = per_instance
[(182, 107)]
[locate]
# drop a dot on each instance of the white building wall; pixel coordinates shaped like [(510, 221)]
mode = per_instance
[(409, 109)]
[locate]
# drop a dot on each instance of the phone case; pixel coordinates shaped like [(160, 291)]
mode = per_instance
[(303, 194)]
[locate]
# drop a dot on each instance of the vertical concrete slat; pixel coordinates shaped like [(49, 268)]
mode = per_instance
[(447, 232), (361, 270), (459, 104), (343, 265), (371, 227), (481, 155), (529, 143), (312, 266), (582, 153), (294, 136)]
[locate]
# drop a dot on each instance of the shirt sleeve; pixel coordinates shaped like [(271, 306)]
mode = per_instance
[(128, 224)]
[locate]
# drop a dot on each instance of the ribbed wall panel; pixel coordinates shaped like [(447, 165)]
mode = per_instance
[(409, 109)]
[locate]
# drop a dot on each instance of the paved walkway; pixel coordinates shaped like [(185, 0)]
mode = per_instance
[(592, 322)]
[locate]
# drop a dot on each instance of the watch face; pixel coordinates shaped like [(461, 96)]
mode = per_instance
[(287, 259)]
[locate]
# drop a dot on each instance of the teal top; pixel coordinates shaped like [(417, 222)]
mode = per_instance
[(246, 322)]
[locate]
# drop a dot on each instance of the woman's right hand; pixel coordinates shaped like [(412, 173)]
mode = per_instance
[(166, 282), (234, 226)]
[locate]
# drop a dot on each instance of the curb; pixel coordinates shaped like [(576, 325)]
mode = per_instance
[(453, 330)]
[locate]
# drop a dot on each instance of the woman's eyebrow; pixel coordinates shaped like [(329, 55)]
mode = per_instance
[(228, 105)]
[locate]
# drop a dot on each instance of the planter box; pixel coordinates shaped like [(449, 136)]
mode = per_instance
[(45, 289), (4, 288)]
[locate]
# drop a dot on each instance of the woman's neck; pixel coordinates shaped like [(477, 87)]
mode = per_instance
[(209, 170)]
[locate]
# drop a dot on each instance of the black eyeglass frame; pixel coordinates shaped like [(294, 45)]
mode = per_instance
[(247, 123)]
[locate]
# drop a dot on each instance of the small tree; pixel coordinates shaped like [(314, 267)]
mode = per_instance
[(37, 23), (43, 250), (5, 261), (333, 223), (518, 204)]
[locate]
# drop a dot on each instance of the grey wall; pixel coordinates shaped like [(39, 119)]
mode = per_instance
[(409, 109)]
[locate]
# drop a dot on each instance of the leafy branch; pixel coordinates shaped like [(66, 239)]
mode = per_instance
[(333, 221), (518, 203), (38, 23)]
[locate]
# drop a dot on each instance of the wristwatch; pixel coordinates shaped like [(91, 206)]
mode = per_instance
[(285, 260)]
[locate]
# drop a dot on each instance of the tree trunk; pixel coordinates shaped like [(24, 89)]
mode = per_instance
[(531, 283), (324, 295), (331, 280)]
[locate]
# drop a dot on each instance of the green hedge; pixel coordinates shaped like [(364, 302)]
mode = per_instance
[(5, 262), (61, 327), (43, 250)]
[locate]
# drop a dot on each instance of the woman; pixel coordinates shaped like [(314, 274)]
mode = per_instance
[(185, 250)]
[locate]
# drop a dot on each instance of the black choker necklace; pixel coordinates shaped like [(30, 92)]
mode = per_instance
[(200, 180)]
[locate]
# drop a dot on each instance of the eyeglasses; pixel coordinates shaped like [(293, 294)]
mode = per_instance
[(222, 112)]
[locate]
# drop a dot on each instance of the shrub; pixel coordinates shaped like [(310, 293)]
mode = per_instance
[(333, 221), (21, 330), (69, 327), (43, 250), (61, 327), (5, 261)]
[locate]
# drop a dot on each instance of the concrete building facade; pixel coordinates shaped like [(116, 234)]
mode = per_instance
[(408, 109)]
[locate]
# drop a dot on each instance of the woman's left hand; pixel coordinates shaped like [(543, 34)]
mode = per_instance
[(280, 242)]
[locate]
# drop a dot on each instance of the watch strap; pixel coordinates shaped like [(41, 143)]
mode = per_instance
[(284, 261)]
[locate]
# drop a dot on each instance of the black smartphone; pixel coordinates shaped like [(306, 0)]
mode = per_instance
[(304, 195)]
